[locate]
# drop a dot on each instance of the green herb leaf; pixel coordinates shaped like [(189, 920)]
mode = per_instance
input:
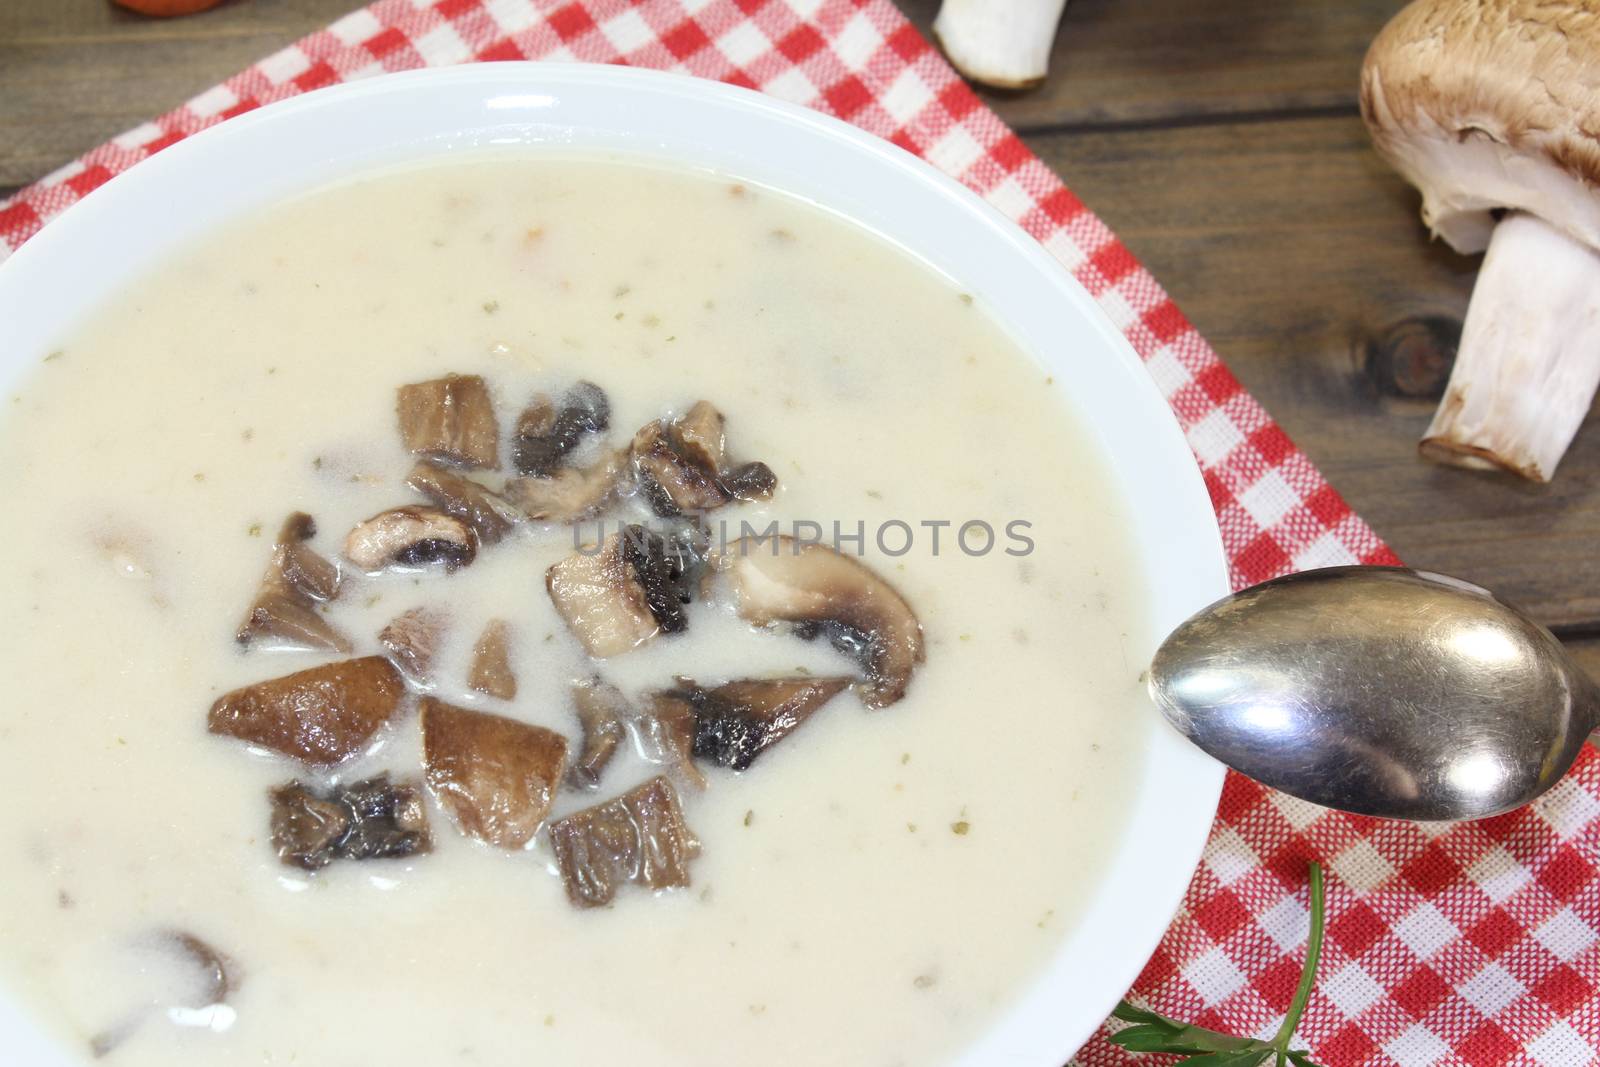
[(1167, 1035), (1252, 1058), (1153, 1032)]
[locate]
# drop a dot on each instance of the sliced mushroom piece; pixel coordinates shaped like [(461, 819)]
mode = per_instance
[(320, 716), (413, 538), (601, 600), (301, 567), (490, 515), (638, 837), (700, 437), (490, 672), (372, 819), (450, 419), (545, 433), (633, 586), (306, 828), (602, 709), (571, 494), (665, 568), (664, 734), (283, 622), (828, 594), (218, 974), (682, 467), (387, 821), (177, 972), (750, 481), (284, 615), (736, 722), (495, 776), (412, 639), (669, 474)]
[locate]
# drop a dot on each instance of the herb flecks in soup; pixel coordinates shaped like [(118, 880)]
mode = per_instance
[(557, 719)]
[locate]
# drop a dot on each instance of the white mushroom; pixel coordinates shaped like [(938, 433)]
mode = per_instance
[(828, 594), (570, 494), (1003, 43), (1491, 111), (411, 537), (601, 599)]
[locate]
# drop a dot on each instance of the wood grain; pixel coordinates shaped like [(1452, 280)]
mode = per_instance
[(76, 72), (1295, 250), (1154, 62)]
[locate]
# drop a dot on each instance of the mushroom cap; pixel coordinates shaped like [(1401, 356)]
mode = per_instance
[(1489, 106)]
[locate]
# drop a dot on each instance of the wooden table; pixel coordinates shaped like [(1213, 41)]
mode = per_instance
[(1219, 139)]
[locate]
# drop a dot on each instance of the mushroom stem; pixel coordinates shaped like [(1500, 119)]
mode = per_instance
[(1529, 359), (1003, 43)]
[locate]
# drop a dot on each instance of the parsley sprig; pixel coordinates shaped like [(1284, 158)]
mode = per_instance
[(1157, 1033)]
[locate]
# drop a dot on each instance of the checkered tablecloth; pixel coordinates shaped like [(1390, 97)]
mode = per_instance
[(1469, 944)]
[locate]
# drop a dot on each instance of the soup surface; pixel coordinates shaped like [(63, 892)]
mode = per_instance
[(874, 890)]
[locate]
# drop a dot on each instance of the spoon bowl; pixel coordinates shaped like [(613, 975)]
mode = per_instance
[(1378, 690)]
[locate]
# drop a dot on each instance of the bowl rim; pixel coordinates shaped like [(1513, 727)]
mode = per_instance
[(139, 216)]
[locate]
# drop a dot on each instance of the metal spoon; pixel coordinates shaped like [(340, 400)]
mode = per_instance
[(1379, 690)]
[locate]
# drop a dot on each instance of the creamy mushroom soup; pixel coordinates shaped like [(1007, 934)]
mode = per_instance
[(514, 829)]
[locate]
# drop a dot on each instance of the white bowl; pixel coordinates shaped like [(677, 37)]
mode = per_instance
[(186, 190)]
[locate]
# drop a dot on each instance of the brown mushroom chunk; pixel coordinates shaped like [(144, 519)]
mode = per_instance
[(372, 819), (218, 974), (638, 837), (412, 639), (681, 465), (669, 475), (634, 586), (450, 419), (664, 733), (300, 566), (490, 672), (665, 568), (284, 615), (413, 538), (601, 710), (699, 436), (828, 594), (489, 514), (750, 481), (545, 433), (320, 716), (600, 600), (571, 494), (736, 722), (494, 775)]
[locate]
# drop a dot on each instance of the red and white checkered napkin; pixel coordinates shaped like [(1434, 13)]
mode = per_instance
[(1472, 944)]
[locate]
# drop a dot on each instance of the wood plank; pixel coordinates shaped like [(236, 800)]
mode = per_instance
[(74, 73), (1297, 252), (1150, 61)]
